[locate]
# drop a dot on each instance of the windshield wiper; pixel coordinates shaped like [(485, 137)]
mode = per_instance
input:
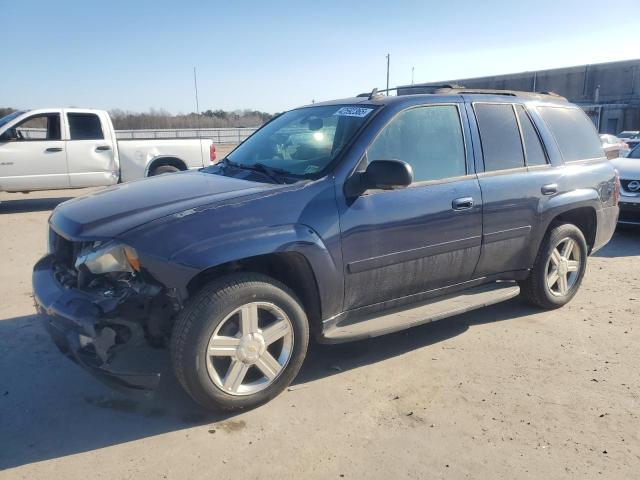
[(270, 172)]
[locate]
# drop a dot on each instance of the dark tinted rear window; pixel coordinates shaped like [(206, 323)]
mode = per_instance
[(501, 145), (532, 144), (84, 126), (575, 134)]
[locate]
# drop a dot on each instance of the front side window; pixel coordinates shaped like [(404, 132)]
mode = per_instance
[(38, 128), (429, 138), (302, 142), (575, 134), (532, 144), (499, 135), (84, 126)]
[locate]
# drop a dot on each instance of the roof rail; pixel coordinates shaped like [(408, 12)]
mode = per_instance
[(375, 92), (459, 89), (492, 91)]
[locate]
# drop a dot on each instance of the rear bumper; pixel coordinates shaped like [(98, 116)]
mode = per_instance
[(87, 329), (607, 219)]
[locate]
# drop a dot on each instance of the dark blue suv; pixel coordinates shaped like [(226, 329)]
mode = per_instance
[(342, 220)]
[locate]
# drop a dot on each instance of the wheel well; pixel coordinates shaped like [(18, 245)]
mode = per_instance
[(173, 161), (289, 268), (585, 219)]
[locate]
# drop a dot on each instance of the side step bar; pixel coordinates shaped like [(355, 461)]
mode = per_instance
[(400, 318)]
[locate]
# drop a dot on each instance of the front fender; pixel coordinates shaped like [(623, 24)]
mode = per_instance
[(297, 238)]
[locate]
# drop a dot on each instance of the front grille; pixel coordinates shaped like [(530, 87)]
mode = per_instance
[(625, 185)]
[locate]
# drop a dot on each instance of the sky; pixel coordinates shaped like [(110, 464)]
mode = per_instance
[(275, 55)]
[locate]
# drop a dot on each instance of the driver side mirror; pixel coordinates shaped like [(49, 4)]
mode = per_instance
[(387, 174)]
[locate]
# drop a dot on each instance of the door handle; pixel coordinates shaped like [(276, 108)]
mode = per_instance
[(549, 189), (53, 149), (103, 148), (464, 203)]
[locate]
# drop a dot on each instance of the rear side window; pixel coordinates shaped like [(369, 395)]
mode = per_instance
[(500, 137), (574, 133), (84, 126), (428, 138), (532, 145)]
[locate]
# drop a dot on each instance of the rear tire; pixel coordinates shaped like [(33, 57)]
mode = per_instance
[(558, 269), (239, 342), (162, 169)]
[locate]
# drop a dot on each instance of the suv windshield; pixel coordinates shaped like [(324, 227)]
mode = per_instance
[(7, 118), (302, 142)]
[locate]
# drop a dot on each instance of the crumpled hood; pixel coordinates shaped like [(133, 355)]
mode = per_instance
[(111, 212), (629, 168)]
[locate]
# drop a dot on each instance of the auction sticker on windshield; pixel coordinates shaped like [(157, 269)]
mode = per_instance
[(353, 112)]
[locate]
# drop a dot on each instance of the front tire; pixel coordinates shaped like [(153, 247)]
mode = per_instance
[(239, 342), (558, 269)]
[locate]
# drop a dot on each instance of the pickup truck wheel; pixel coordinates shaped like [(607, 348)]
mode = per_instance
[(162, 169), (558, 269), (239, 342)]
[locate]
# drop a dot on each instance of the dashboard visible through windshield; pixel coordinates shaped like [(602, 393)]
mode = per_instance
[(302, 142)]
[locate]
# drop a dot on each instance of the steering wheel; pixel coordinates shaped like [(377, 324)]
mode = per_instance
[(19, 135)]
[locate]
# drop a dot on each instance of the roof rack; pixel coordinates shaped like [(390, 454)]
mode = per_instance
[(375, 92), (459, 89), (492, 91)]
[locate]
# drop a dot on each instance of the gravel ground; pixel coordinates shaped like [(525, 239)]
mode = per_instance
[(505, 392)]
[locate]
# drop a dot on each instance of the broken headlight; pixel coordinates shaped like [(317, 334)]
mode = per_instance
[(109, 257)]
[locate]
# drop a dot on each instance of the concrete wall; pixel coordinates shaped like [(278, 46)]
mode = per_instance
[(614, 86)]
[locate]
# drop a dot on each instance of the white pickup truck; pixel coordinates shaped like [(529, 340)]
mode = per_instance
[(48, 149)]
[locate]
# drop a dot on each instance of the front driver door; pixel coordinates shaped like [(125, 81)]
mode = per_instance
[(34, 158), (398, 243)]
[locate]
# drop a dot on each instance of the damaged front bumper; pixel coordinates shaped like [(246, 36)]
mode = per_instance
[(90, 330)]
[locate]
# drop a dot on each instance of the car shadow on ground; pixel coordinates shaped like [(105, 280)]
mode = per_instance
[(30, 205), (52, 408), (625, 243)]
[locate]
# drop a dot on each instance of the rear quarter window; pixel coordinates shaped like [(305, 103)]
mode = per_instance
[(575, 134)]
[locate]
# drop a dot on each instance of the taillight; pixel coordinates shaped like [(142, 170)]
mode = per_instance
[(212, 153), (616, 188)]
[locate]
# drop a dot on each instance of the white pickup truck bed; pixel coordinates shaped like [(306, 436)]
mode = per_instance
[(55, 148)]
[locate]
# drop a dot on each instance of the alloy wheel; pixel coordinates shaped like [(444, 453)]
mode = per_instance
[(250, 348), (563, 267)]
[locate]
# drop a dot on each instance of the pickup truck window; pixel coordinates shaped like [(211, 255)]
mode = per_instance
[(532, 145), (499, 135), (84, 126), (302, 142), (575, 134), (39, 128), (429, 138)]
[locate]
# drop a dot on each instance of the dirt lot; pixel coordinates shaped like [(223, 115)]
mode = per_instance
[(505, 392)]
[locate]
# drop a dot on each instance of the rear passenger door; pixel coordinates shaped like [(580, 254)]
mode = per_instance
[(91, 153), (514, 174)]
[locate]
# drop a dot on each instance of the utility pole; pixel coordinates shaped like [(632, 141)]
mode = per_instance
[(195, 85), (388, 56), (412, 70)]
